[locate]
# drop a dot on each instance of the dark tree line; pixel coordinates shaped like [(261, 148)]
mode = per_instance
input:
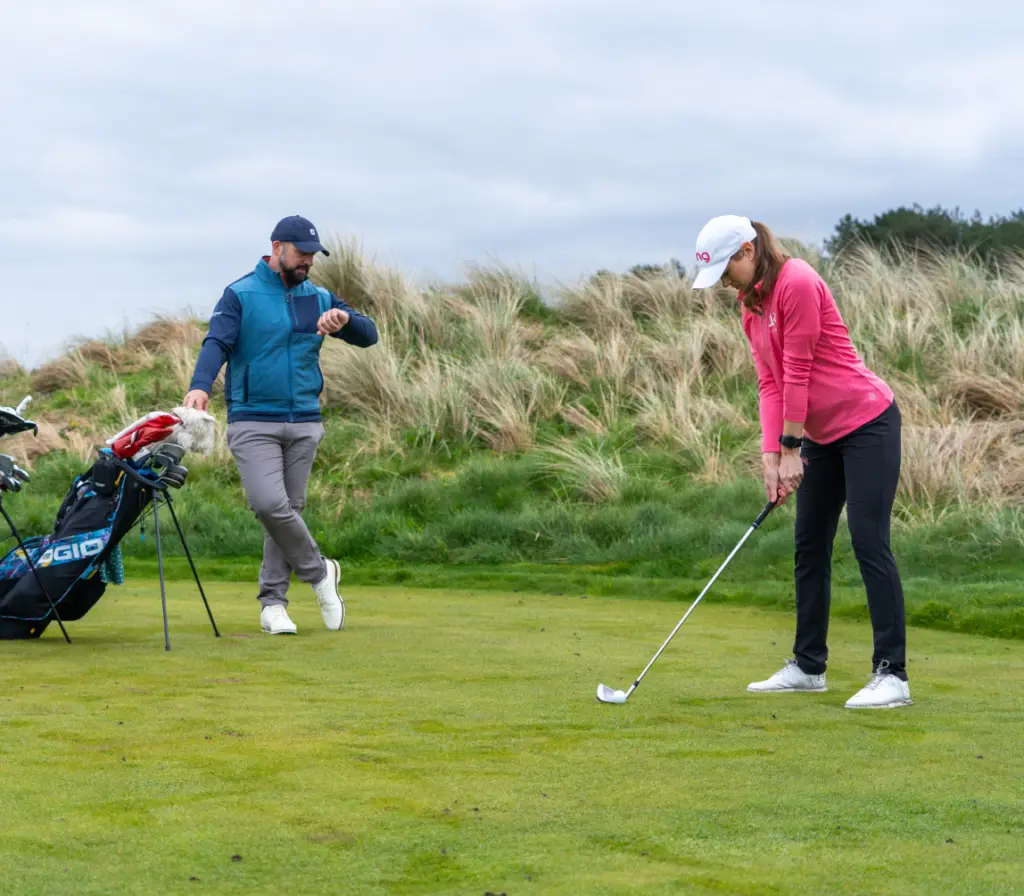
[(902, 231), (920, 230)]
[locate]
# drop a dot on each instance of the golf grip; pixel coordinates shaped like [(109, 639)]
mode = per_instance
[(760, 519), (763, 515)]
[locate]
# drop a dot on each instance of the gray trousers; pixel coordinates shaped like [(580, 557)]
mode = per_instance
[(275, 460)]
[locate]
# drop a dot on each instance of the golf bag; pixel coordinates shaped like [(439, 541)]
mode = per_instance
[(61, 576), (73, 561)]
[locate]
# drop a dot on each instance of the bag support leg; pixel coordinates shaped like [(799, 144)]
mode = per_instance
[(35, 572)]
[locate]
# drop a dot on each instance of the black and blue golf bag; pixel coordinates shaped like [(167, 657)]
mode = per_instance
[(80, 557), (61, 576)]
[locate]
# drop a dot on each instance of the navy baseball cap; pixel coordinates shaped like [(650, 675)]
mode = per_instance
[(299, 231)]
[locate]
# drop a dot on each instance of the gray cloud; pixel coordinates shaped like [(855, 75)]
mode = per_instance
[(151, 147)]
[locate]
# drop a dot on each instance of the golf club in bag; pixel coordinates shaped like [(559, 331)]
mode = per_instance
[(12, 478), (606, 694), (72, 566)]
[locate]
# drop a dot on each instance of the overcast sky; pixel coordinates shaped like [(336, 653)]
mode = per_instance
[(149, 148)]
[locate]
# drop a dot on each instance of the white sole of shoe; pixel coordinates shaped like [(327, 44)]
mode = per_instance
[(894, 705), (787, 690), (335, 571)]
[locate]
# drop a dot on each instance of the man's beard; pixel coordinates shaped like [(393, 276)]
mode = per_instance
[(294, 276)]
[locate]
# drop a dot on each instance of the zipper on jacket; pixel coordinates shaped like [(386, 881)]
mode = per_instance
[(291, 336), (245, 385)]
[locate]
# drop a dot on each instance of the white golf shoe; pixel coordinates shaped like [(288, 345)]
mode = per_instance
[(884, 691), (275, 621), (790, 678), (332, 605)]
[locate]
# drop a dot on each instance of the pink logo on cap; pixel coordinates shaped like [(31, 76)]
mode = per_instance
[(704, 256)]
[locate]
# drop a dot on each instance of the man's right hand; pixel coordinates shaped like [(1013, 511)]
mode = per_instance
[(197, 399)]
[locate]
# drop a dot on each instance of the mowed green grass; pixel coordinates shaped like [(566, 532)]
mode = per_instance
[(452, 743)]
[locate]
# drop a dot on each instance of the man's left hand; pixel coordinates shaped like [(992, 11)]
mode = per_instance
[(331, 321)]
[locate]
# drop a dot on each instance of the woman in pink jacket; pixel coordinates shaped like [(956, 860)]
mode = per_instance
[(830, 432)]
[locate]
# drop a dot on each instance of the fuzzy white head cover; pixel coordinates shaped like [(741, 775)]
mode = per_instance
[(197, 432)]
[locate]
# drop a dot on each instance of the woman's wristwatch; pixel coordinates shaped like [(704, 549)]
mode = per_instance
[(790, 441)]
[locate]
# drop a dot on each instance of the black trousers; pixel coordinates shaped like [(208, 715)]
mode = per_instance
[(861, 470)]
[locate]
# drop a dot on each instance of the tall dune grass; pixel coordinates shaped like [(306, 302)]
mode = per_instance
[(487, 364), (648, 353)]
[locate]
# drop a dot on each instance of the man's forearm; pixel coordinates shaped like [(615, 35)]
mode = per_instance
[(211, 358), (225, 323)]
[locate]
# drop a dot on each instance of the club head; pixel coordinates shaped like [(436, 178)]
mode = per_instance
[(175, 476), (169, 454), (12, 423), (9, 468), (606, 695)]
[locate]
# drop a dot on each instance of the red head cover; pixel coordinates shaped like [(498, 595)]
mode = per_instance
[(154, 427)]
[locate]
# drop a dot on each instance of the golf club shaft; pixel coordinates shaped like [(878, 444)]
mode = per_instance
[(760, 519)]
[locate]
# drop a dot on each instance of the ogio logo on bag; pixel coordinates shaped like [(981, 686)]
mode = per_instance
[(65, 553)]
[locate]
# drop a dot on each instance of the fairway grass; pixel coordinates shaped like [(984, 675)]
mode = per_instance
[(452, 743)]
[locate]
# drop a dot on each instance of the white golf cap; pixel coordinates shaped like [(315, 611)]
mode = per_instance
[(720, 239)]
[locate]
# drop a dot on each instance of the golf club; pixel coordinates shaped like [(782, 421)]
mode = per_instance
[(11, 475), (606, 694), (12, 420), (165, 464), (11, 478)]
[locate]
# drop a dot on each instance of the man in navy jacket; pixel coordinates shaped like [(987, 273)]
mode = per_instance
[(268, 327)]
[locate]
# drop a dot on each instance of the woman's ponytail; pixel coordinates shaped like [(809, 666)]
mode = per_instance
[(768, 262)]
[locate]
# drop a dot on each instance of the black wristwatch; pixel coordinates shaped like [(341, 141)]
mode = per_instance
[(790, 441)]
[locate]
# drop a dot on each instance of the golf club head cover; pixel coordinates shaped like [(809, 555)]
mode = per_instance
[(197, 431), (156, 426), (12, 420)]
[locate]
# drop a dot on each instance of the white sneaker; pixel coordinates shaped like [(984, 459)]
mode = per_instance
[(275, 621), (790, 678), (332, 606), (884, 691)]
